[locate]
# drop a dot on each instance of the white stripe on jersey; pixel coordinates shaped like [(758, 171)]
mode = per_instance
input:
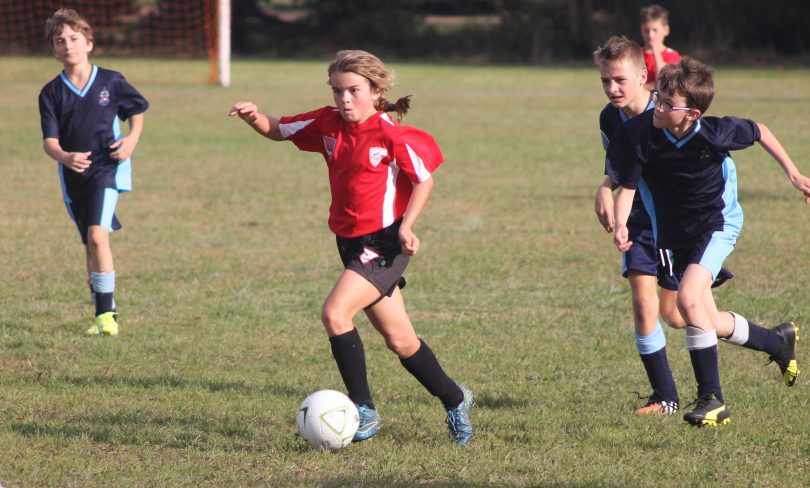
[(289, 129), (387, 118), (390, 194), (418, 165)]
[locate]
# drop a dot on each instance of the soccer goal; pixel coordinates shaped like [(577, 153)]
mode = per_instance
[(182, 29)]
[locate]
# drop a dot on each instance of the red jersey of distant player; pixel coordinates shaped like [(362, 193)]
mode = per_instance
[(669, 55), (372, 165)]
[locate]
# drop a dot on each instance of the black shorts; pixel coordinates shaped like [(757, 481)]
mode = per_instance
[(377, 257), (97, 208)]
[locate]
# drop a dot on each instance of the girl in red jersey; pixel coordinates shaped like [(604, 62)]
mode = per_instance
[(380, 179)]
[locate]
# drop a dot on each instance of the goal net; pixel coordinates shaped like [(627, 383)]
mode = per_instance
[(184, 29)]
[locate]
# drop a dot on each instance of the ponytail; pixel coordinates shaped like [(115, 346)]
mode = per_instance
[(400, 107)]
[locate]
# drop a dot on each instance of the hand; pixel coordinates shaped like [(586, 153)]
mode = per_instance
[(247, 111), (77, 161), (621, 238), (410, 243), (802, 183), (123, 148), (604, 208)]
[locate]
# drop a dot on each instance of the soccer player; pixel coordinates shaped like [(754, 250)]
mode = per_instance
[(80, 112), (654, 22), (380, 175), (623, 74), (680, 163)]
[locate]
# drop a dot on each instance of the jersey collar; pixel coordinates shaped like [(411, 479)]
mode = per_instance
[(680, 143), (87, 86)]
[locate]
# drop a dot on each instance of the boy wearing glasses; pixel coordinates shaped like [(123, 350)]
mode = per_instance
[(680, 164)]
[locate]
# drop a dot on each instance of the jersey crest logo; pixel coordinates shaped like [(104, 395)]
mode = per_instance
[(329, 144), (368, 255), (376, 154), (104, 97)]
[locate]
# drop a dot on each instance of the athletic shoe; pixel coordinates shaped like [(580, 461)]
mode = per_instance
[(708, 411), (105, 324), (369, 423), (458, 419), (786, 357), (661, 407), (722, 276)]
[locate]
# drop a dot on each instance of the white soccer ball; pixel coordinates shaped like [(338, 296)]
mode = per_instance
[(327, 419)]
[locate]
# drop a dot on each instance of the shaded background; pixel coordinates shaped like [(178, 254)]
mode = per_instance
[(466, 31)]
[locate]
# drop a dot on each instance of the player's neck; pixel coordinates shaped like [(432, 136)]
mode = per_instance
[(79, 74), (639, 105), (682, 129)]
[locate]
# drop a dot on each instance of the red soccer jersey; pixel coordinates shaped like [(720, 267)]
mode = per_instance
[(670, 56), (366, 164)]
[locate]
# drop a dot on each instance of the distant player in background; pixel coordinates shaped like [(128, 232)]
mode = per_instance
[(80, 112), (679, 160), (380, 174), (654, 21)]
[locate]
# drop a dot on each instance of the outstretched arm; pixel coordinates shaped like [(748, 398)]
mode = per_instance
[(622, 207), (265, 125), (775, 149), (417, 202)]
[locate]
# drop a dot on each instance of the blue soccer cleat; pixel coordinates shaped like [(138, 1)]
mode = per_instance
[(369, 423), (458, 419)]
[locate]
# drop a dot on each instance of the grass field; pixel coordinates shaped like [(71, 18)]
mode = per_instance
[(225, 258)]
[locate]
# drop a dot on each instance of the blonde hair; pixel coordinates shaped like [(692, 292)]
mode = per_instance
[(619, 48), (690, 79), (69, 17), (379, 77)]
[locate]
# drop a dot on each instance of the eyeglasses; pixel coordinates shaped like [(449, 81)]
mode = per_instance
[(663, 106)]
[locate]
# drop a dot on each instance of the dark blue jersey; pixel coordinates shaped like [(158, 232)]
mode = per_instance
[(609, 120), (689, 185), (88, 120)]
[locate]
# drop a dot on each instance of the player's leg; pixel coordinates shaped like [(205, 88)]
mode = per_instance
[(390, 318), (669, 309), (102, 222), (651, 345)]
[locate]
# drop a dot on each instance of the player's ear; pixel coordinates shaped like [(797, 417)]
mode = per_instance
[(89, 46), (694, 113)]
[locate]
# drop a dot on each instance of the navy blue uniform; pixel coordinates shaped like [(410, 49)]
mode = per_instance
[(689, 186), (88, 120), (643, 255)]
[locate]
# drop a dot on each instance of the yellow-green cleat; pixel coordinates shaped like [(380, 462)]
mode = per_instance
[(105, 324), (708, 412)]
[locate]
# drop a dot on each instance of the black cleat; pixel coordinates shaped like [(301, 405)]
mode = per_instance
[(786, 357), (708, 411), (722, 276)]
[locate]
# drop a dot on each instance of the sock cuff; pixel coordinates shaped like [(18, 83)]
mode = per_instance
[(741, 330), (651, 343), (697, 338), (103, 282)]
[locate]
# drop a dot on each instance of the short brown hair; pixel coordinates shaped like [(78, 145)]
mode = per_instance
[(69, 17), (690, 79), (654, 12), (619, 48)]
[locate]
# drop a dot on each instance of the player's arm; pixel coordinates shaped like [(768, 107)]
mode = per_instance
[(622, 207), (603, 204), (775, 149), (417, 202), (124, 147), (263, 124), (76, 161)]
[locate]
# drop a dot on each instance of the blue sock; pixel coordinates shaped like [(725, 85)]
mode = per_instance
[(103, 288), (653, 352)]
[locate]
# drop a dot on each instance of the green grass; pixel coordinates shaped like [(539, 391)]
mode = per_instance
[(225, 258)]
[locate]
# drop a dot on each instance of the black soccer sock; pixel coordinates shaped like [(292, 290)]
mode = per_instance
[(424, 366), (657, 367), (703, 353), (763, 339), (104, 303), (350, 357)]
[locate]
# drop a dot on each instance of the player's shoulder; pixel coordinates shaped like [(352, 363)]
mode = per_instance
[(639, 126)]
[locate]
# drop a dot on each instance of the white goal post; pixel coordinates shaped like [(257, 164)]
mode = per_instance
[(224, 42)]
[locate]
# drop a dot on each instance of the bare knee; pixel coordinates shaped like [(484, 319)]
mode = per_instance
[(688, 304), (98, 239), (335, 320), (402, 345)]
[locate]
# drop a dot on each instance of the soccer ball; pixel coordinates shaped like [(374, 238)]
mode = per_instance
[(327, 419)]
